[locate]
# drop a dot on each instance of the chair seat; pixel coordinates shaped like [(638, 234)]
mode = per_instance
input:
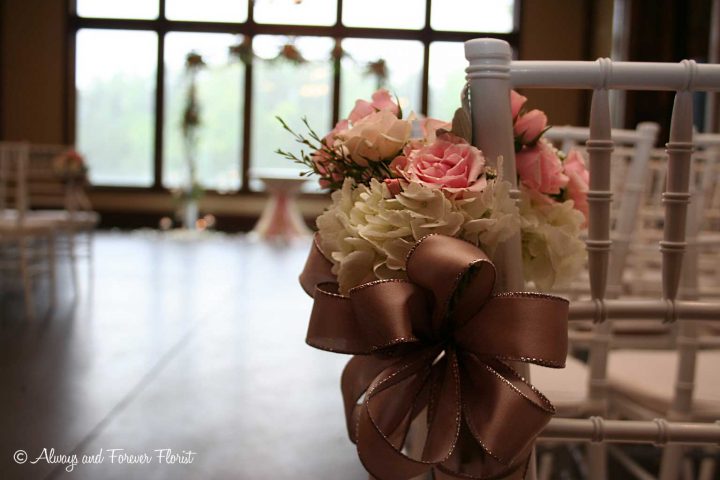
[(61, 218), (647, 377), (9, 226), (566, 388), (83, 217)]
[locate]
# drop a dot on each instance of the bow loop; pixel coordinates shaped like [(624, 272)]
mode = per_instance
[(446, 266), (527, 327), (389, 312)]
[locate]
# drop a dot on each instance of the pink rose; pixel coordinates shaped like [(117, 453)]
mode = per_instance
[(540, 168), (430, 126), (381, 100), (516, 103), (578, 180), (393, 185), (530, 126), (449, 163)]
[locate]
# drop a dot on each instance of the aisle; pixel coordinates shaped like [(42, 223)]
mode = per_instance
[(181, 345)]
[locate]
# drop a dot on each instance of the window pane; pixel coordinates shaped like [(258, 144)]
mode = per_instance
[(118, 9), (405, 14), (115, 81), (403, 59), (285, 12), (207, 10), (291, 91), (473, 15), (447, 77), (219, 93)]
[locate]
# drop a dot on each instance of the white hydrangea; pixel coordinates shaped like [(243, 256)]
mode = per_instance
[(553, 253), (367, 232)]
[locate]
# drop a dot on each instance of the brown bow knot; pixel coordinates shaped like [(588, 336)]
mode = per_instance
[(439, 344)]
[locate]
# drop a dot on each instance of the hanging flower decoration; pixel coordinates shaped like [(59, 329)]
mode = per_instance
[(194, 62), (338, 53), (291, 53), (243, 51), (379, 70), (70, 165), (191, 121)]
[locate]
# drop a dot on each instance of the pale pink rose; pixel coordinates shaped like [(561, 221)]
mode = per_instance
[(529, 126), (430, 127), (362, 109), (578, 180), (449, 163), (379, 136), (516, 103), (339, 127), (320, 156), (381, 100), (540, 168)]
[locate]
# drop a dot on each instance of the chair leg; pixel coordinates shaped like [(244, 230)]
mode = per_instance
[(708, 465), (597, 461), (91, 257), (545, 469), (670, 463), (73, 259), (26, 280), (52, 270)]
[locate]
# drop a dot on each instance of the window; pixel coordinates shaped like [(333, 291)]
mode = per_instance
[(289, 58), (115, 82), (219, 88), (402, 62)]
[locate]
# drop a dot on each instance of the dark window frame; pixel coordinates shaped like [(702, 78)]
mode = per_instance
[(162, 26)]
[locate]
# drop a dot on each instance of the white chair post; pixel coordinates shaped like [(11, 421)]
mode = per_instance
[(489, 77), (676, 199), (600, 148), (676, 196)]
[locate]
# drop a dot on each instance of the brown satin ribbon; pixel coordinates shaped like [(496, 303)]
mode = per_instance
[(439, 344)]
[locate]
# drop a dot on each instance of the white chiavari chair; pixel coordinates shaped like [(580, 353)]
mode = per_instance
[(27, 245), (491, 75)]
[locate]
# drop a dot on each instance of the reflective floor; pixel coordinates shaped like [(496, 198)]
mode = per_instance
[(179, 350)]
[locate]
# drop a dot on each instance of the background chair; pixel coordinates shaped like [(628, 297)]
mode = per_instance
[(27, 244), (63, 201)]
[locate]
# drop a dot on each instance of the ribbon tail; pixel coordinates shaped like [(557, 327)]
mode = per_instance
[(391, 397), (357, 376), (503, 412)]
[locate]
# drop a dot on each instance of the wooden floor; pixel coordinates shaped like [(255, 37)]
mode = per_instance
[(176, 344)]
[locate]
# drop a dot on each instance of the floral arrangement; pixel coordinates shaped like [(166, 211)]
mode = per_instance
[(70, 165), (391, 189)]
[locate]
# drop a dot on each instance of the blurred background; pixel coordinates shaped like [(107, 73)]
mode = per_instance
[(109, 78)]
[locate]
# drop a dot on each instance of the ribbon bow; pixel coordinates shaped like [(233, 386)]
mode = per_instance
[(439, 344)]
